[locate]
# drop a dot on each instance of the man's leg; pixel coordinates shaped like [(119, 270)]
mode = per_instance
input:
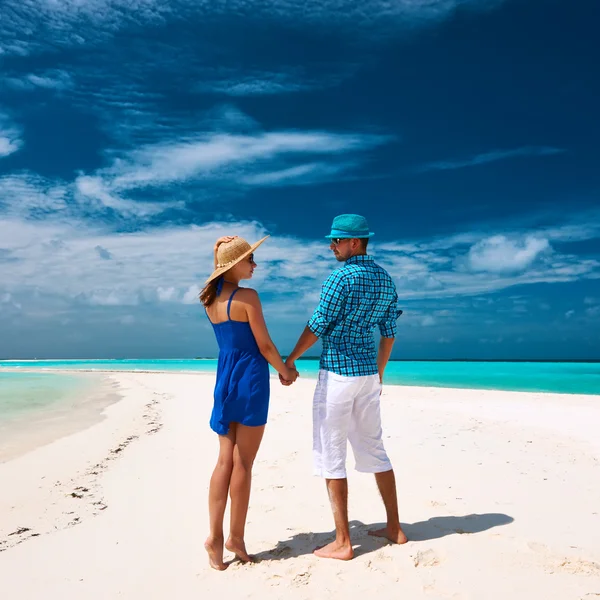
[(341, 547), (365, 436), (332, 409), (386, 482)]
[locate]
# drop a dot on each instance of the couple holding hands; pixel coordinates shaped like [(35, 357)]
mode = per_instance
[(354, 300)]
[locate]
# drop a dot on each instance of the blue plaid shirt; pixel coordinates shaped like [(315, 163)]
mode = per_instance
[(354, 300)]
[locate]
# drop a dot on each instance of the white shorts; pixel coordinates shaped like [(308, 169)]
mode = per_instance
[(346, 409)]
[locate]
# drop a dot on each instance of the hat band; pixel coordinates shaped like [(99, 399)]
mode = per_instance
[(220, 266), (351, 234)]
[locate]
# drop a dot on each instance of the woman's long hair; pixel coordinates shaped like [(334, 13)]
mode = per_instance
[(209, 294)]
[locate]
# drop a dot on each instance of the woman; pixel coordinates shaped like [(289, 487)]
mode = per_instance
[(241, 398)]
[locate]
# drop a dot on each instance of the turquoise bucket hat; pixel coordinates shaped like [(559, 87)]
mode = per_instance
[(350, 226)]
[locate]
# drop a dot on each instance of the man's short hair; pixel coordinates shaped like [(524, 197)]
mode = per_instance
[(364, 242)]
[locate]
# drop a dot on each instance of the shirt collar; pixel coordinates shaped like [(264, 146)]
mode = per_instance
[(360, 258)]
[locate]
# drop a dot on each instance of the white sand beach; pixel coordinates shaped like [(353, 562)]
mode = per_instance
[(499, 494)]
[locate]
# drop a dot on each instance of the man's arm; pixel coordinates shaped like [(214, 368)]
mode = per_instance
[(327, 312), (383, 356), (305, 341), (388, 330)]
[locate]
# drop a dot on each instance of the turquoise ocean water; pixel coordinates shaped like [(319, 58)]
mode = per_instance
[(38, 394), (25, 393), (558, 377)]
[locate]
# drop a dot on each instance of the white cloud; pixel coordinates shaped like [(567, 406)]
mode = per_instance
[(96, 191), (489, 157), (166, 294), (308, 173), (108, 298), (8, 145), (260, 84), (569, 314), (499, 254), (54, 79), (222, 161), (209, 156), (10, 136), (53, 268), (192, 293), (24, 193), (289, 79), (8, 303), (41, 25)]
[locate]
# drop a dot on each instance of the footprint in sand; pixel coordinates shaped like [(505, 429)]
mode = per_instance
[(427, 558), (577, 566), (573, 565), (301, 579)]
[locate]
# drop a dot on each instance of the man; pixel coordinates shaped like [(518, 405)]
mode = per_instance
[(354, 300)]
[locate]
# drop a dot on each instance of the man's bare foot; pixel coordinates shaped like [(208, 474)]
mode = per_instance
[(335, 550), (214, 548), (238, 547), (394, 534)]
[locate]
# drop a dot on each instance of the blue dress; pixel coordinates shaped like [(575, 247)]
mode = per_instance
[(242, 389)]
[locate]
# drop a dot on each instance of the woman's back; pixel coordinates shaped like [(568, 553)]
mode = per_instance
[(242, 386), (232, 333)]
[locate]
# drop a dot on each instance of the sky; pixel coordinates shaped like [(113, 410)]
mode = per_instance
[(133, 133)]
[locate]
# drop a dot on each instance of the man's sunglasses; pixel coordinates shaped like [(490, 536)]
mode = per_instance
[(336, 241)]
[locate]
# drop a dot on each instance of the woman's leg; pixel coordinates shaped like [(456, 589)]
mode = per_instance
[(247, 442), (217, 499)]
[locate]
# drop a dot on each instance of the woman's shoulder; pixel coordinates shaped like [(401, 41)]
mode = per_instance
[(245, 294)]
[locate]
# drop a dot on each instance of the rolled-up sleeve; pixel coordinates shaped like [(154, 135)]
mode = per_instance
[(333, 297), (387, 326)]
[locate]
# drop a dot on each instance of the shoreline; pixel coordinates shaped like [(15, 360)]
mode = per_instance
[(310, 376), (77, 410), (119, 509), (63, 473), (92, 411)]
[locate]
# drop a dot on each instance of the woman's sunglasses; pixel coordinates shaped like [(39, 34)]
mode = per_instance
[(251, 257)]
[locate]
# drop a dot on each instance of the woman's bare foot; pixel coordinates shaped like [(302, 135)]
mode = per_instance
[(214, 548), (335, 550), (238, 547), (394, 534)]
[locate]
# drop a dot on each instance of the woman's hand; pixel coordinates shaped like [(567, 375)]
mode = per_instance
[(288, 376), (224, 240)]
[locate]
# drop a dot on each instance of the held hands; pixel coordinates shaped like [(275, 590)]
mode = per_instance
[(290, 374)]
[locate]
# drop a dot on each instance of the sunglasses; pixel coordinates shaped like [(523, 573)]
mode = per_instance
[(251, 257), (337, 241)]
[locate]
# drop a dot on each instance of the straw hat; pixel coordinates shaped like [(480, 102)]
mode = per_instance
[(231, 253)]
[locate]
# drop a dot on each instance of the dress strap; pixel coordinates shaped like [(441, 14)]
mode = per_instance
[(229, 303)]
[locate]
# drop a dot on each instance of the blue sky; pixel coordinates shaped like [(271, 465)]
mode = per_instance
[(133, 133)]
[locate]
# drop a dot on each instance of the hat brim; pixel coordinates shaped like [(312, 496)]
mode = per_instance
[(349, 236), (217, 272)]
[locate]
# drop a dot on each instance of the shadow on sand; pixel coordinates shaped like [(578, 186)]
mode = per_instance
[(434, 528)]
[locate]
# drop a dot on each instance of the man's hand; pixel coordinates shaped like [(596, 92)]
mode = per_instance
[(292, 366), (290, 377)]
